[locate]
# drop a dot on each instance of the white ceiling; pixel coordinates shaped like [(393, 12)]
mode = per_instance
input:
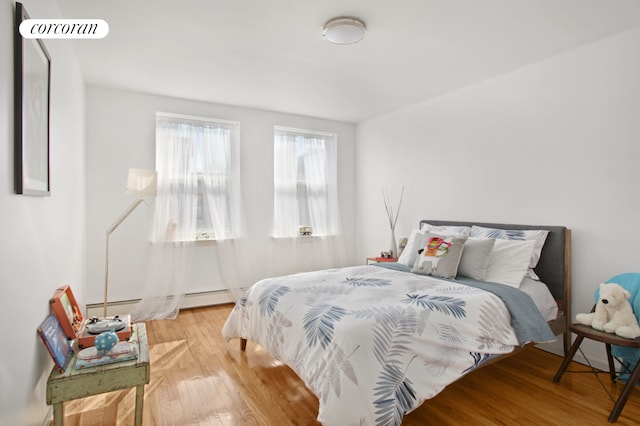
[(270, 54)]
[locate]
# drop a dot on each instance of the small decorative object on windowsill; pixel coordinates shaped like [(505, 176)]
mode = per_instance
[(305, 230), (393, 219)]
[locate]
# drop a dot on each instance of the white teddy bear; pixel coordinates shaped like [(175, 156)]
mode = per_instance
[(613, 312)]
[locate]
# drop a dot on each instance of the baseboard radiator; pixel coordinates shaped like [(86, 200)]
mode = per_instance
[(191, 300)]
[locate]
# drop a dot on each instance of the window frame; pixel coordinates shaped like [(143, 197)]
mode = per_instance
[(205, 231), (330, 140)]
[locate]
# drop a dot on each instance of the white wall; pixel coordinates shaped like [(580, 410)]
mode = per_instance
[(554, 143), (121, 134), (43, 238)]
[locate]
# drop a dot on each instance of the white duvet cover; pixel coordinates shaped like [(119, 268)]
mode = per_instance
[(372, 344)]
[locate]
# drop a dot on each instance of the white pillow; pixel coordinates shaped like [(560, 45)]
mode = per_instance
[(475, 258), (509, 261), (410, 253), (539, 236), (447, 230)]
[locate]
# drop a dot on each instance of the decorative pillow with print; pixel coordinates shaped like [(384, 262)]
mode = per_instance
[(441, 255)]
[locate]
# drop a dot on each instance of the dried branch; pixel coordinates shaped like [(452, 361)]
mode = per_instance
[(393, 217), (399, 205)]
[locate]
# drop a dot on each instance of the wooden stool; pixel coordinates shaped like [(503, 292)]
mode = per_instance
[(74, 384), (582, 332)]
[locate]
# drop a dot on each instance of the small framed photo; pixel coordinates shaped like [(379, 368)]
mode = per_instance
[(32, 92), (403, 244)]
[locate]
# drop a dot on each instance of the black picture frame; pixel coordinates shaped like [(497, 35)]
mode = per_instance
[(32, 110)]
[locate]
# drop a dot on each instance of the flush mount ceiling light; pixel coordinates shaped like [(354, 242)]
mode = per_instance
[(344, 30)]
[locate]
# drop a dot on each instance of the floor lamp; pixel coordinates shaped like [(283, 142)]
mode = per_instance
[(140, 182)]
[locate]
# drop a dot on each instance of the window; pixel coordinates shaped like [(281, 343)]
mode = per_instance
[(305, 182), (198, 173)]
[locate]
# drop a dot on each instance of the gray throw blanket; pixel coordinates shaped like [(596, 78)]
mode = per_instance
[(526, 319)]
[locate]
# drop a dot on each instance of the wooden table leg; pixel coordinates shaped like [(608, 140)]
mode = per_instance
[(58, 414), (139, 404)]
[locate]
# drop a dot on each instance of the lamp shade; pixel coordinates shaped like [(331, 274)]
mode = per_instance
[(142, 182), (344, 30)]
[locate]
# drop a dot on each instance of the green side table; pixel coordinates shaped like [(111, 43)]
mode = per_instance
[(75, 384)]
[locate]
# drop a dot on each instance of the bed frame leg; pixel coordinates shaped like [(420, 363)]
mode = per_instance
[(243, 344)]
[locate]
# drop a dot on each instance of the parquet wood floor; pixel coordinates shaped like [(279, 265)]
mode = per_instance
[(199, 379)]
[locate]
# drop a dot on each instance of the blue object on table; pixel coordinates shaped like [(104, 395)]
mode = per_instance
[(105, 341)]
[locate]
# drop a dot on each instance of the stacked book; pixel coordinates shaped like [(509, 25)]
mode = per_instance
[(91, 357)]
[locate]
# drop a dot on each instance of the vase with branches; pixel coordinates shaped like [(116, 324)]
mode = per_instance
[(393, 219)]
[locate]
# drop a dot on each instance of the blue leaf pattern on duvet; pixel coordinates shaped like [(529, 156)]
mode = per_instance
[(392, 341), (509, 234), (391, 332), (332, 371), (492, 331), (276, 329), (269, 299), (362, 282), (318, 323), (396, 396), (444, 304), (478, 359)]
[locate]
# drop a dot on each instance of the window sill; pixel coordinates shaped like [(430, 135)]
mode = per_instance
[(303, 237), (197, 239)]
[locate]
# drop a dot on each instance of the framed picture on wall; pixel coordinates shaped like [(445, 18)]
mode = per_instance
[(32, 101)]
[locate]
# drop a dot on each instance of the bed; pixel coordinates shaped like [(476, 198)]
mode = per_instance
[(373, 342)]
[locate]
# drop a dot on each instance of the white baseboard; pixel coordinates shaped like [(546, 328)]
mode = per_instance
[(48, 418), (191, 300)]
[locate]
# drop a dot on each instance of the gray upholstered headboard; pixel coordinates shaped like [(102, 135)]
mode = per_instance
[(554, 268), (554, 265)]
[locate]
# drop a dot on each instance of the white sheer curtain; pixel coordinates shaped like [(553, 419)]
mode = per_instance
[(286, 215), (305, 181), (305, 194), (320, 167), (198, 199)]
